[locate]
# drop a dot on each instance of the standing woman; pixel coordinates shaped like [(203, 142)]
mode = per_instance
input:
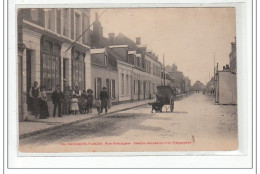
[(35, 95), (44, 111)]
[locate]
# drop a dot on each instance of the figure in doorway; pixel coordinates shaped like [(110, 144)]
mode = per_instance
[(35, 95)]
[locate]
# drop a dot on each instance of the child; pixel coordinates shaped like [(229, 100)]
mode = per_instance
[(44, 112), (98, 106), (74, 107), (89, 101)]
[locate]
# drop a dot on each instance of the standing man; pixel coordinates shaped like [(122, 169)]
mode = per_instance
[(35, 95), (104, 99), (57, 99)]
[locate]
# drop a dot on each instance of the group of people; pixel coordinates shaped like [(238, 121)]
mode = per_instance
[(66, 102)]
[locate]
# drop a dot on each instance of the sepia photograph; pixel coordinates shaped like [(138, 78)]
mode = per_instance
[(127, 79)]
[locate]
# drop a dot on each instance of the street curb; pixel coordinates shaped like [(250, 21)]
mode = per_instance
[(73, 122)]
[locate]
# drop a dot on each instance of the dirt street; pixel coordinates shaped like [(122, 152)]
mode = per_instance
[(196, 124)]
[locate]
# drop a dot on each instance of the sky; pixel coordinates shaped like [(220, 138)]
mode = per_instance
[(188, 37)]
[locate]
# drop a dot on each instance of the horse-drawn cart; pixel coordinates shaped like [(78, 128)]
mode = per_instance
[(164, 96)]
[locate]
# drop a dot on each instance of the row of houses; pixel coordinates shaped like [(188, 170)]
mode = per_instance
[(179, 82), (55, 47)]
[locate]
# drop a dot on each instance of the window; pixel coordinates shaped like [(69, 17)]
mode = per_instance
[(85, 25), (111, 61), (98, 86), (50, 64), (78, 25), (51, 19), (113, 89), (66, 26), (99, 59), (127, 85), (58, 21), (131, 59), (134, 87), (78, 69), (138, 61), (122, 84), (108, 87), (34, 15), (105, 60), (141, 87)]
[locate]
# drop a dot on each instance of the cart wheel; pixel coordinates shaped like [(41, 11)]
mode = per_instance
[(171, 108)]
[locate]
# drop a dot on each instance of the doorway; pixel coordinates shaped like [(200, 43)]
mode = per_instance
[(138, 83), (28, 77), (66, 70), (144, 86)]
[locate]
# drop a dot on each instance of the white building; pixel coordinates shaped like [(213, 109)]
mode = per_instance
[(50, 56)]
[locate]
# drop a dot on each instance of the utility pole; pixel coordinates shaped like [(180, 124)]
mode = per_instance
[(163, 71), (214, 63)]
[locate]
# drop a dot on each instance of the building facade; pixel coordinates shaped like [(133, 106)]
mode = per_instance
[(104, 73), (50, 55)]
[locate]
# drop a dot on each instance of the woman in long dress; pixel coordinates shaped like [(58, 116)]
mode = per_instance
[(44, 112)]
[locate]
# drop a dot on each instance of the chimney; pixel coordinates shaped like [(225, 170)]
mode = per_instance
[(227, 66), (138, 41), (96, 15), (111, 38)]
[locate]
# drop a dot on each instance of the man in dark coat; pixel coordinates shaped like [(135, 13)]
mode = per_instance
[(57, 99), (104, 99)]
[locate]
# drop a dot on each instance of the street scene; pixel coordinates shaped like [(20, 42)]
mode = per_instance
[(126, 80), (207, 127)]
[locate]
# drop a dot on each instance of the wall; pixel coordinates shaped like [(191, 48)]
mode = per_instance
[(126, 70), (227, 91)]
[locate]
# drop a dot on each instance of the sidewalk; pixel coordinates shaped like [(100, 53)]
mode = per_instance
[(35, 126)]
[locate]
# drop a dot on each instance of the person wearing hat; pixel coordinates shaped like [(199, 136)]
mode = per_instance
[(104, 99), (57, 99)]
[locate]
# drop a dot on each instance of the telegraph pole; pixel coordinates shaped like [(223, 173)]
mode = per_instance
[(163, 71)]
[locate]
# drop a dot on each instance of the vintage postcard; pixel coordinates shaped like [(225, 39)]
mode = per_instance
[(127, 79)]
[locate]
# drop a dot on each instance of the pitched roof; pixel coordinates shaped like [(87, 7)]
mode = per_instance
[(121, 39)]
